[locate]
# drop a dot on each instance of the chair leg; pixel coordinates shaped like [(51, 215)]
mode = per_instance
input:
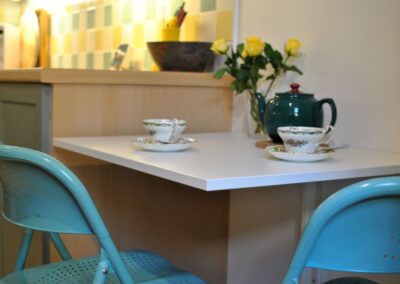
[(60, 246), (103, 267), (23, 250)]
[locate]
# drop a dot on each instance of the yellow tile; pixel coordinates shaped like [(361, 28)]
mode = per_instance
[(224, 24), (67, 43), (70, 8), (117, 36), (108, 38), (82, 41), (82, 6), (159, 28), (207, 26), (54, 45), (99, 40), (138, 36), (190, 28)]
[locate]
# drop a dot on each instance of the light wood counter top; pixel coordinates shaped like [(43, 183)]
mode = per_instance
[(109, 77)]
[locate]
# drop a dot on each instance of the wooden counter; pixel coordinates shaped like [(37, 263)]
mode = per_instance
[(37, 105), (108, 77)]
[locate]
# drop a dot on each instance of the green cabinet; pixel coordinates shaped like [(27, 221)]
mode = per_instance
[(25, 115), (25, 120)]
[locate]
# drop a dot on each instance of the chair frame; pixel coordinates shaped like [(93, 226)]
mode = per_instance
[(353, 195), (109, 255)]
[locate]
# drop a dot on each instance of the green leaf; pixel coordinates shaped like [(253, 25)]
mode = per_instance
[(261, 62), (294, 69), (278, 56), (238, 86), (268, 50), (242, 74), (253, 72), (219, 73), (239, 49), (270, 77)]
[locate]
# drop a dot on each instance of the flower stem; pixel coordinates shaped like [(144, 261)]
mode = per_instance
[(255, 113), (269, 87), (277, 74)]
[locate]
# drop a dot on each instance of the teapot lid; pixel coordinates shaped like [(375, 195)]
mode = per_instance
[(294, 90)]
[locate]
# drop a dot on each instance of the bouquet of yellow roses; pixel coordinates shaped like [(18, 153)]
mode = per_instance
[(248, 63)]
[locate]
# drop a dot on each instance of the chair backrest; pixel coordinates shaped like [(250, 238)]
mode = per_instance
[(357, 229), (40, 193)]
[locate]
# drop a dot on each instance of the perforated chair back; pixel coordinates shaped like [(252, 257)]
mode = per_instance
[(41, 193), (357, 229), (34, 198)]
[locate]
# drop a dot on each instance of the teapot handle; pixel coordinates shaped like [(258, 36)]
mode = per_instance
[(332, 104)]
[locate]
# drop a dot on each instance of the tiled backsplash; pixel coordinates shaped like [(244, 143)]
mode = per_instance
[(86, 35)]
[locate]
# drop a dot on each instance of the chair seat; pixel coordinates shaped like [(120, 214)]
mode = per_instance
[(143, 266), (350, 280)]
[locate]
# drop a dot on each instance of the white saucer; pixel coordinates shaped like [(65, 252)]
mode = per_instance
[(279, 152), (148, 144)]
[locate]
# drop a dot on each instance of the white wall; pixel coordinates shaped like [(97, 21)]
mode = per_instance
[(351, 54)]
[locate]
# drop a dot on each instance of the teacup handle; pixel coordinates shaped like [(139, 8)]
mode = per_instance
[(328, 129), (174, 123)]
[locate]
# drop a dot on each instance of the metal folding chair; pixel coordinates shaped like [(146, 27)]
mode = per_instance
[(357, 229), (40, 193)]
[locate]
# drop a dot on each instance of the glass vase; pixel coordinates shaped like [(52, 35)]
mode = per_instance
[(256, 117)]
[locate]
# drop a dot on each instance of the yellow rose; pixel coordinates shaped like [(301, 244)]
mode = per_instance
[(254, 46), (244, 54), (220, 46), (292, 47)]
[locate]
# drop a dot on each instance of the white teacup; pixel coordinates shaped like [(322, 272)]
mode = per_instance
[(164, 130), (306, 140)]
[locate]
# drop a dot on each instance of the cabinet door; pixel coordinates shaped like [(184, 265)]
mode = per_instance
[(25, 120), (25, 115)]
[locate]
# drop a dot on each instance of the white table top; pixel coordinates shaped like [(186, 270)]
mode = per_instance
[(225, 161)]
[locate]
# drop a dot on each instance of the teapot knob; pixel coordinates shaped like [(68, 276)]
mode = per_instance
[(295, 88)]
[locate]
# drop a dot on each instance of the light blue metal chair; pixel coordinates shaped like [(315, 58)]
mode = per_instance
[(40, 193), (357, 229)]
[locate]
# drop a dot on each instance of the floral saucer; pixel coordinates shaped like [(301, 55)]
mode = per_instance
[(148, 143), (280, 152)]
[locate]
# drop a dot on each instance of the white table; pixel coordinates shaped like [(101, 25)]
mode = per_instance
[(230, 161), (226, 161)]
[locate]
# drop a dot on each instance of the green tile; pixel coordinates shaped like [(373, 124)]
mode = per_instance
[(61, 27), (75, 22), (151, 6), (107, 15), (107, 60), (175, 4), (60, 61), (74, 62), (90, 61), (127, 18), (208, 5), (90, 19)]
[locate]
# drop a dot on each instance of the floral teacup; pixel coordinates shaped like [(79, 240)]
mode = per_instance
[(306, 140), (164, 130)]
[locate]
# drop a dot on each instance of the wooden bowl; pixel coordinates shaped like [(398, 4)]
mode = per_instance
[(182, 56)]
